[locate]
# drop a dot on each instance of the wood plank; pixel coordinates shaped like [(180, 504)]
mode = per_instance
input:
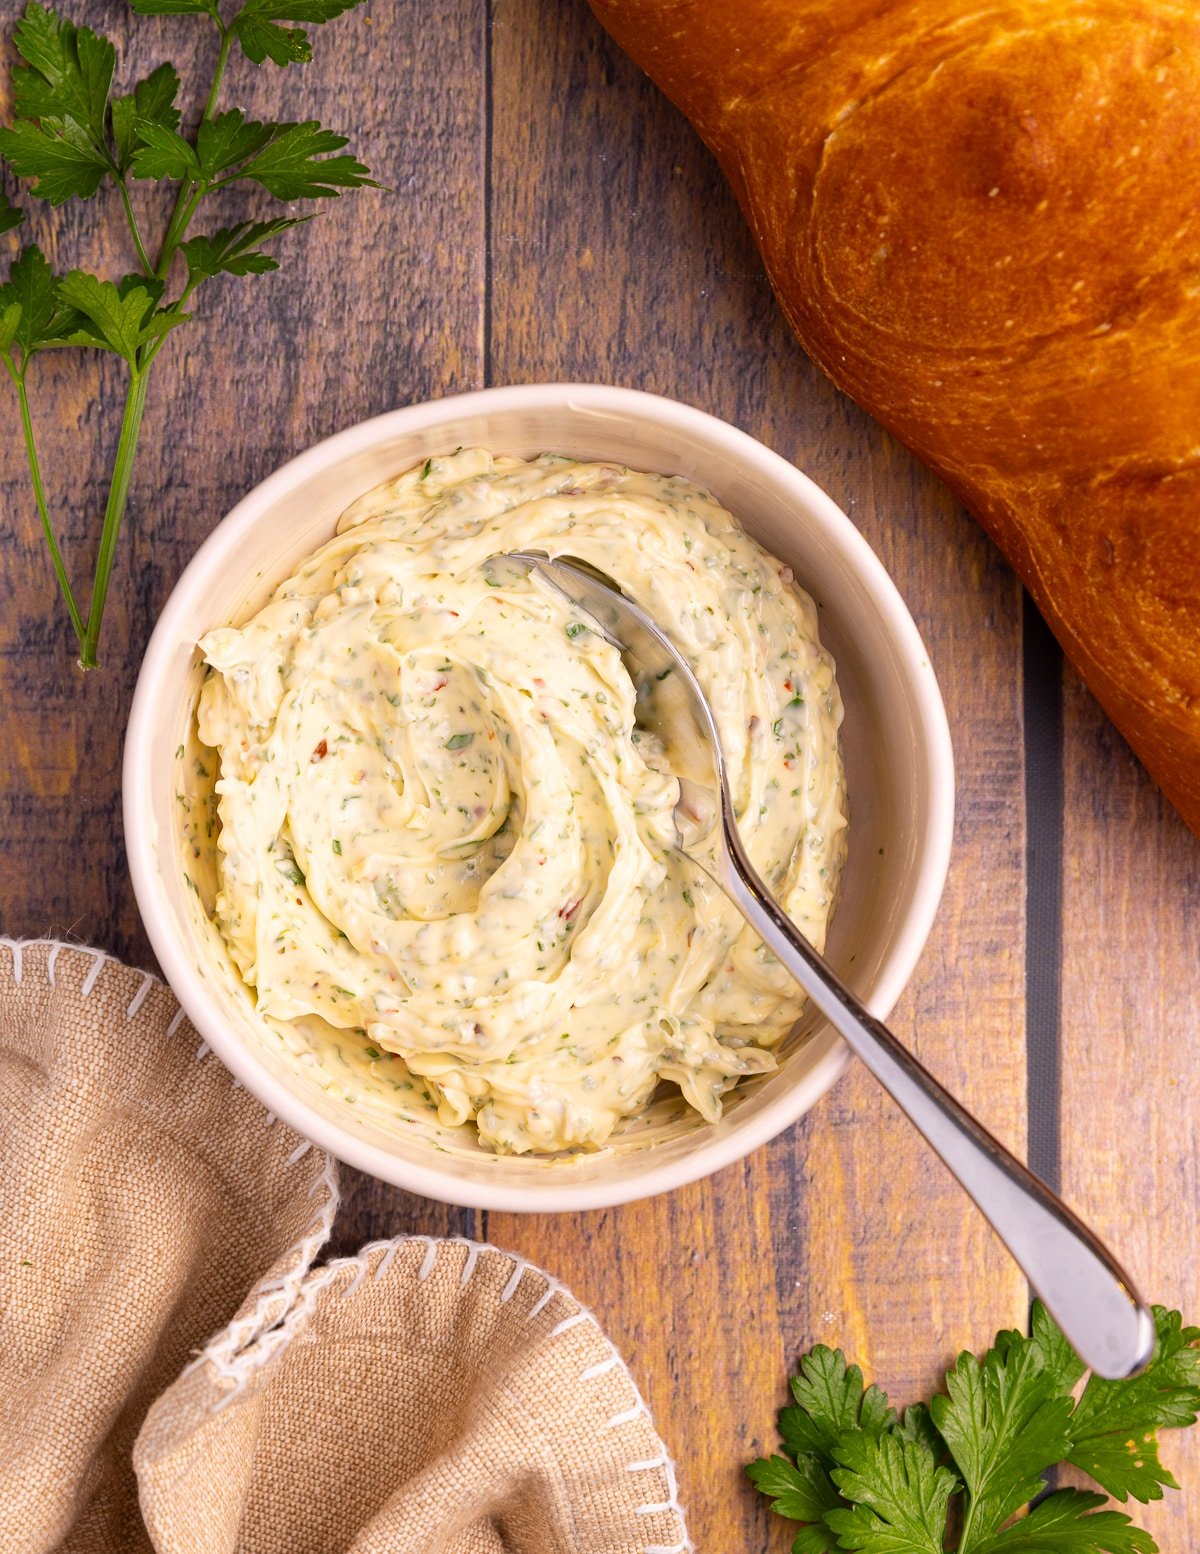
[(377, 303), (618, 255), (1130, 1017)]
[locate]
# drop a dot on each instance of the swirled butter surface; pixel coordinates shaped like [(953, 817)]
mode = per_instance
[(442, 830)]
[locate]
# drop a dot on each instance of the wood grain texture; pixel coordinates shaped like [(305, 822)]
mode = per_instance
[(1130, 1023), (553, 217)]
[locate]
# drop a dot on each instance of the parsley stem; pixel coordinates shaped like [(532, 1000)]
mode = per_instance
[(186, 201), (143, 257), (39, 491), (218, 72), (114, 511)]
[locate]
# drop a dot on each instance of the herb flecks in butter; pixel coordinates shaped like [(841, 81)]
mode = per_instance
[(477, 872)]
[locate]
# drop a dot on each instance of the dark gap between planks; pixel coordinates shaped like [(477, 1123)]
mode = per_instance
[(1042, 681), (489, 115), (1041, 665)]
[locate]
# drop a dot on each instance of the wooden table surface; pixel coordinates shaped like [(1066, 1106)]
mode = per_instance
[(551, 217)]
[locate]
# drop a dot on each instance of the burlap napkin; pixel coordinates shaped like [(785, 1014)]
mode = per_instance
[(422, 1396)]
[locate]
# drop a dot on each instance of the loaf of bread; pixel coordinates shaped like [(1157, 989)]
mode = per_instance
[(983, 222)]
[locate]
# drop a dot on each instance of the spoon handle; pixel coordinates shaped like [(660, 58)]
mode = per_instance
[(1083, 1286)]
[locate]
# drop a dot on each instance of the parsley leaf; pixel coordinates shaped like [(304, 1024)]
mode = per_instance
[(261, 36), (176, 8), (152, 101), (899, 1496), (10, 216), (1004, 1423), (801, 1490), (1054, 1351), (235, 250), (10, 318), (60, 104), (229, 138), (40, 318), (161, 152), (1113, 1428), (119, 318), (295, 165), (958, 1473), (830, 1400), (59, 154), (1067, 1522), (918, 1426), (67, 74)]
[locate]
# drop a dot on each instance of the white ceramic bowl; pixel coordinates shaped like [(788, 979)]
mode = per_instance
[(896, 742)]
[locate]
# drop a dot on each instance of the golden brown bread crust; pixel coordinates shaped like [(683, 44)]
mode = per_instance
[(984, 223)]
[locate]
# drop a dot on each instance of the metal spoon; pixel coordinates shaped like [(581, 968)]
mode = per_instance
[(1085, 1289)]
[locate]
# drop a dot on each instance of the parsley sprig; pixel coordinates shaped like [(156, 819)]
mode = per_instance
[(70, 136), (954, 1475)]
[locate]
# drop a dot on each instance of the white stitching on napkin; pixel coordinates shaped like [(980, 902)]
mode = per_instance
[(139, 998), (642, 1467), (267, 1324), (601, 1368), (543, 1300), (301, 1149), (177, 1020), (328, 1179), (567, 1323), (202, 1052), (510, 1289), (89, 982), (17, 963), (469, 1265), (357, 1279), (628, 1416), (385, 1262), (427, 1266)]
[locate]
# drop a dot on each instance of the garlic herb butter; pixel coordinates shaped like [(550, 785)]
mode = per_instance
[(442, 830)]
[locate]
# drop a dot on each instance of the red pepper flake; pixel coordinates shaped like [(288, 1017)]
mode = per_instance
[(321, 751), (441, 683), (570, 910), (787, 685)]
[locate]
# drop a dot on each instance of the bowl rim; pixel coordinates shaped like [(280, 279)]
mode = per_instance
[(556, 1193)]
